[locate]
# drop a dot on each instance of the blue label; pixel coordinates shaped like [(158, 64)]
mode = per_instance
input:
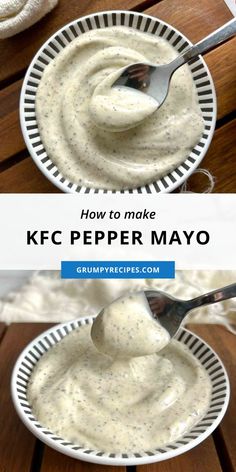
[(117, 269)]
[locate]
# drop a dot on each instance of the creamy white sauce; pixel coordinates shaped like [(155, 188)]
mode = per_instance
[(104, 137), (119, 404), (126, 328), (119, 108)]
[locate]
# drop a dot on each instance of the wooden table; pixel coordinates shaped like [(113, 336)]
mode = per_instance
[(18, 173), (21, 452)]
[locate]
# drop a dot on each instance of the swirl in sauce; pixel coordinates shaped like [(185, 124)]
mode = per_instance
[(114, 138)]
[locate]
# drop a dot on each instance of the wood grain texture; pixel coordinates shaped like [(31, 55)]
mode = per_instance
[(17, 52), (53, 461), (189, 461), (2, 330), (194, 19), (220, 161), (224, 343), (25, 177), (223, 72), (16, 442), (11, 138)]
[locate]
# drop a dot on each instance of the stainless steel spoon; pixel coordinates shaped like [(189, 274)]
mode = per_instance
[(155, 79), (170, 312)]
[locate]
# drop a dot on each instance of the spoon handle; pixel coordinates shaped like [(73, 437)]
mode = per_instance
[(212, 297), (218, 36)]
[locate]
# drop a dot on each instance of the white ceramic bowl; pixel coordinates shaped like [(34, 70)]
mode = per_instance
[(208, 358), (60, 40)]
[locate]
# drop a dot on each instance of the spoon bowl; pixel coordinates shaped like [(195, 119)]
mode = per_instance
[(155, 79), (170, 312)]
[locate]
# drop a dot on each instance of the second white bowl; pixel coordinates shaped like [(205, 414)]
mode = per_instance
[(208, 358)]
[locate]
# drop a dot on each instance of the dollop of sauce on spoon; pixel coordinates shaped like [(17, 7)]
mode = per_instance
[(126, 328)]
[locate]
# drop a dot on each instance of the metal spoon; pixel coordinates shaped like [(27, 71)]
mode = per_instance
[(155, 80), (170, 312)]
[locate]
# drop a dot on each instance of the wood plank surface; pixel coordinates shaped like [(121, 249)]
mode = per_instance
[(11, 138), (189, 461), (53, 461), (220, 161), (223, 72), (17, 52), (2, 330), (25, 177), (224, 343), (16, 442), (194, 19)]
